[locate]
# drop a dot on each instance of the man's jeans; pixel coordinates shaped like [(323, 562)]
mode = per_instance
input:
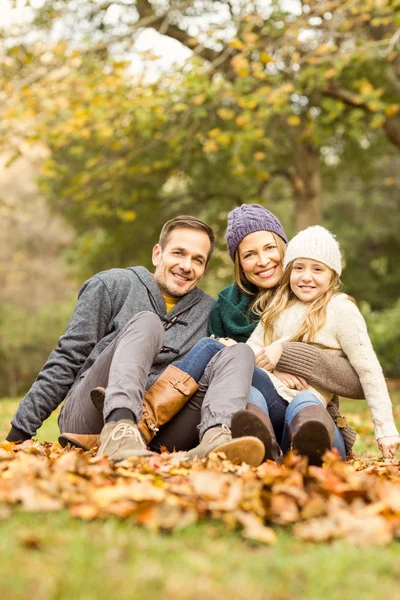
[(123, 367)]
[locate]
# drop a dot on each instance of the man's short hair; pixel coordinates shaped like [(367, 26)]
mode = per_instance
[(186, 222)]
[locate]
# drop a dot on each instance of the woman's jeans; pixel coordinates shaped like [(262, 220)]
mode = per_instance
[(263, 393), (198, 358), (282, 414)]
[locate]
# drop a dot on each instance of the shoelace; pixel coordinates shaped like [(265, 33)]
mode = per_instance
[(123, 430), (225, 431)]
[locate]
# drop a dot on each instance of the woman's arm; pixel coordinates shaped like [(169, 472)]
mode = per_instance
[(321, 368)]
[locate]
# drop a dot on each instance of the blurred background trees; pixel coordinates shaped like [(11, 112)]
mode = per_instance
[(291, 104)]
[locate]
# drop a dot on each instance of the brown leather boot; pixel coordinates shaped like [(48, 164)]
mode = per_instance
[(86, 442), (311, 433), (254, 422), (168, 394)]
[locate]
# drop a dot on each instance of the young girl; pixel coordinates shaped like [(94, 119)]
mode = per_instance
[(309, 307)]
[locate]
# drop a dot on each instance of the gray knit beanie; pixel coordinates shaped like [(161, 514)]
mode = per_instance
[(317, 243), (249, 218)]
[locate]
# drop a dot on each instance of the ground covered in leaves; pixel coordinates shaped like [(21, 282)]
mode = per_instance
[(358, 501)]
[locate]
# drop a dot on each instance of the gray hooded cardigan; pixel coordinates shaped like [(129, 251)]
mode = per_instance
[(106, 302)]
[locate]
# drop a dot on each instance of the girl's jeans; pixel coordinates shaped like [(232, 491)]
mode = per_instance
[(263, 393)]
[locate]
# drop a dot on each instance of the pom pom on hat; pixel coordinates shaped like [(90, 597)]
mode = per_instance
[(317, 243), (249, 218)]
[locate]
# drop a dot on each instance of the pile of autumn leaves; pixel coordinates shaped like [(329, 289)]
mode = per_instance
[(358, 501)]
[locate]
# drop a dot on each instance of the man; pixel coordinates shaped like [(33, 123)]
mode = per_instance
[(126, 328)]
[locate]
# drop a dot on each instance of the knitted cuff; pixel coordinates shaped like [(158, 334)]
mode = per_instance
[(17, 435), (297, 358)]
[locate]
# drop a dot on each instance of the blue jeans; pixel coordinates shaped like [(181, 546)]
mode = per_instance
[(282, 414), (262, 393), (198, 358)]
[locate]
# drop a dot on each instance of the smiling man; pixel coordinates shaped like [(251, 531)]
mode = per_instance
[(127, 328)]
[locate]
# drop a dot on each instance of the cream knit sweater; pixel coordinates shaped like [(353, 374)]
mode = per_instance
[(344, 333)]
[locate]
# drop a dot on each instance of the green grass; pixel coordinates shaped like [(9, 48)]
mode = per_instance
[(55, 557)]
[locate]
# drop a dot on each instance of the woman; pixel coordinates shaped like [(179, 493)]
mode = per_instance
[(256, 243)]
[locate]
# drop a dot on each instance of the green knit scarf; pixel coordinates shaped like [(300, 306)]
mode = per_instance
[(231, 316)]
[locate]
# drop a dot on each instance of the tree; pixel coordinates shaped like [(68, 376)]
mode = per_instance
[(35, 293), (300, 80)]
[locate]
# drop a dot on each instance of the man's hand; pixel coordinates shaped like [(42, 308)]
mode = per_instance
[(294, 382), (388, 445), (269, 356)]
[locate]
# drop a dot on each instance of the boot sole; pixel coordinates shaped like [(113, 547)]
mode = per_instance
[(312, 440), (245, 423), (245, 449), (97, 396), (64, 441)]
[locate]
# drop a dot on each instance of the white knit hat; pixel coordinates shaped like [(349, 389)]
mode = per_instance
[(318, 243)]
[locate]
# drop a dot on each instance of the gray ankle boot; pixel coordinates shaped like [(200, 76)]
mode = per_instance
[(219, 439)]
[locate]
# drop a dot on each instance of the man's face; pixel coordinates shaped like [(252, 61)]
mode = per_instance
[(182, 262)]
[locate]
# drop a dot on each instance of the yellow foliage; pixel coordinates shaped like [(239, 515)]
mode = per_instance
[(198, 100), (265, 57), (330, 73), (214, 133), (127, 215), (293, 120), (237, 44), (392, 110), (240, 65), (242, 120), (210, 147), (226, 113), (259, 155), (250, 38)]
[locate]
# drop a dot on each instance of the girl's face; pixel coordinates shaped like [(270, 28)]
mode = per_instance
[(260, 259), (309, 279)]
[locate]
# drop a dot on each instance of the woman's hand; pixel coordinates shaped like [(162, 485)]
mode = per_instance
[(388, 445), (294, 382), (269, 356)]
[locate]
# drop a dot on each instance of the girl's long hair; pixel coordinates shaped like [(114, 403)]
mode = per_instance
[(263, 297), (315, 315)]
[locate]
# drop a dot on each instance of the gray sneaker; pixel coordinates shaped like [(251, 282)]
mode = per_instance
[(246, 449), (121, 440)]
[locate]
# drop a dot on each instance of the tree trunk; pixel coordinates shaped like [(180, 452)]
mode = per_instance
[(307, 186)]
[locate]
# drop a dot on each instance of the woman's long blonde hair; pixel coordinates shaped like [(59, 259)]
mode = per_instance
[(263, 297), (315, 315)]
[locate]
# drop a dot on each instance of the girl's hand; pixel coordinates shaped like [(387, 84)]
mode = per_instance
[(294, 382), (388, 445), (226, 341), (269, 356)]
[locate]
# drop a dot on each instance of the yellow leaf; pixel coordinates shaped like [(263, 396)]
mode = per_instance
[(210, 147), (250, 38), (265, 57), (259, 155), (127, 215), (226, 113), (198, 100), (392, 110), (242, 120), (237, 44), (330, 73), (214, 133), (293, 120)]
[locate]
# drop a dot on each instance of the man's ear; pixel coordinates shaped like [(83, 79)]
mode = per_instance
[(156, 255)]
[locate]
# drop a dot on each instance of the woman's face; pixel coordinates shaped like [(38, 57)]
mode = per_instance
[(260, 259)]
